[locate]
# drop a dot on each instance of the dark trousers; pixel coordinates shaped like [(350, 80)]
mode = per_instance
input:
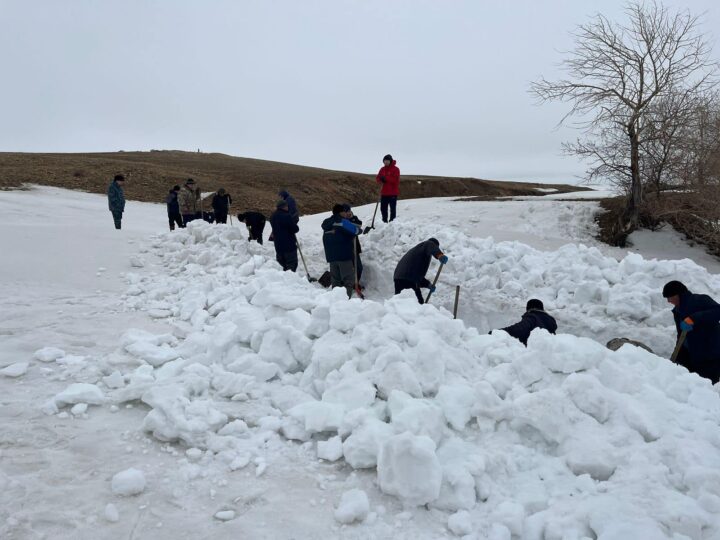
[(221, 217), (402, 284), (187, 218), (175, 218), (256, 233), (117, 218), (385, 201), (342, 274), (288, 260)]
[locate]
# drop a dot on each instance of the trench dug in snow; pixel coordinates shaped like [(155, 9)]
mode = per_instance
[(560, 438)]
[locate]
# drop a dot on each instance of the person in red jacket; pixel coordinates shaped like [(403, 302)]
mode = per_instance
[(389, 177)]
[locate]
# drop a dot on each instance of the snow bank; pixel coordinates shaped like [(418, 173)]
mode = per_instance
[(128, 482), (564, 435)]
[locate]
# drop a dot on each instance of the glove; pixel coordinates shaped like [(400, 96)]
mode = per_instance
[(432, 288), (443, 259), (687, 325)]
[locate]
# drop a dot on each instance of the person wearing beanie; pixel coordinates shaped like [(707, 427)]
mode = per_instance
[(698, 316), (352, 218), (189, 199), (255, 223), (410, 271), (389, 178), (221, 205), (292, 205), (284, 228), (116, 199), (534, 317), (173, 208), (339, 236)]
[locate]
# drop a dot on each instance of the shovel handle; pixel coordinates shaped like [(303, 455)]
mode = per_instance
[(678, 347), (437, 276)]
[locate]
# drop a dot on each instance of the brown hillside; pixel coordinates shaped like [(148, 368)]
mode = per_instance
[(253, 183)]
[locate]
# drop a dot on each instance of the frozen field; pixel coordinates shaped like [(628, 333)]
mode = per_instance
[(253, 404)]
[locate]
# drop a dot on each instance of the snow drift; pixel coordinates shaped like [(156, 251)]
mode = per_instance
[(564, 438)]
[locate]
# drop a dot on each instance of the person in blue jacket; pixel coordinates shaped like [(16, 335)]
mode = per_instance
[(339, 236), (284, 228), (534, 317), (699, 316), (116, 199), (292, 205)]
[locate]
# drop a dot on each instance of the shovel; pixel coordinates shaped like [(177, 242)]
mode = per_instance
[(678, 347), (302, 257), (358, 290), (372, 225), (437, 276)]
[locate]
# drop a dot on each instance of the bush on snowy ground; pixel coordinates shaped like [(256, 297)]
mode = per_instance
[(448, 415)]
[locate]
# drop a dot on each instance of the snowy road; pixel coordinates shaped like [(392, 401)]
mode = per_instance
[(242, 367)]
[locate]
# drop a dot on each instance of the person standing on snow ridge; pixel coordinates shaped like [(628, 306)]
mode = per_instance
[(284, 228), (255, 222), (410, 271), (339, 235), (116, 199), (534, 317), (698, 315), (221, 205), (188, 198), (352, 218), (292, 205), (173, 209), (389, 178)]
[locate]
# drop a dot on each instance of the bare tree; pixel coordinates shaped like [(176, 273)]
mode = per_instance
[(615, 74)]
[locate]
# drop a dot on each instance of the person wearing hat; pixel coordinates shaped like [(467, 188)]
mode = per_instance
[(389, 178), (699, 316), (116, 199), (189, 197), (339, 236), (352, 218), (410, 271), (221, 205), (255, 223), (284, 228), (173, 208), (292, 205), (534, 317)]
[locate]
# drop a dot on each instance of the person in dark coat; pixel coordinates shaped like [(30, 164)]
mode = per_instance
[(284, 228), (292, 205), (221, 205), (116, 199), (410, 271), (699, 316), (173, 208), (534, 317), (352, 218), (339, 235), (255, 223), (389, 178)]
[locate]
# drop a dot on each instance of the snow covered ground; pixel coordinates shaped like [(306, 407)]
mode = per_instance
[(178, 385)]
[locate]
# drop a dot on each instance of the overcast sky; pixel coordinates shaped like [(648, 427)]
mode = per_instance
[(442, 85)]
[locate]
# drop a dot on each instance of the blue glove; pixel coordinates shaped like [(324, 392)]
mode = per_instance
[(687, 325), (350, 227), (443, 259), (432, 288)]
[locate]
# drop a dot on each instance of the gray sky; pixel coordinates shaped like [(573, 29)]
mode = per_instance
[(442, 85)]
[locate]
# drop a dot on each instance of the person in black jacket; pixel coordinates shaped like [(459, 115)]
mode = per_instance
[(352, 218), (338, 239), (410, 271), (221, 205), (699, 316), (173, 208), (292, 205), (116, 199), (534, 317), (284, 228), (255, 223)]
